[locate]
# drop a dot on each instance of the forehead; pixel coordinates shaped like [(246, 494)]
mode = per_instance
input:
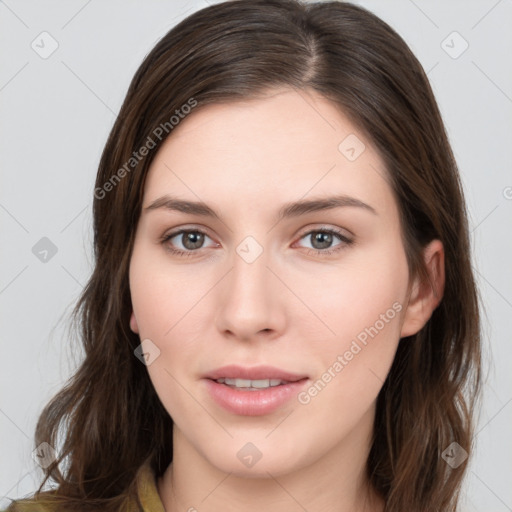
[(282, 119), (283, 147)]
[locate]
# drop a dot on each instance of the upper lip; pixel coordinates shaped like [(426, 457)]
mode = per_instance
[(253, 373)]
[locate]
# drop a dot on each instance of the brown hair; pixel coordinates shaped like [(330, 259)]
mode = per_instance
[(109, 415)]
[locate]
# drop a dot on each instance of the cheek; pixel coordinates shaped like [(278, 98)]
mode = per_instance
[(163, 304), (352, 296), (163, 296), (362, 307), (168, 303), (351, 369)]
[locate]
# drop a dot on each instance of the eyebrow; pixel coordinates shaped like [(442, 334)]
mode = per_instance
[(289, 210)]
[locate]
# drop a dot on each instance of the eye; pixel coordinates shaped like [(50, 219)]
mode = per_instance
[(191, 241), (322, 240)]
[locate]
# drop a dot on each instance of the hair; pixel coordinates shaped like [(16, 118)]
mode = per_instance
[(107, 420)]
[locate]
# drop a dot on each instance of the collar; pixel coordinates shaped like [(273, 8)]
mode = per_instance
[(147, 489)]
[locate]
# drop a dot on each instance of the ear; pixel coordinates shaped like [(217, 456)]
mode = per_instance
[(133, 324), (425, 296)]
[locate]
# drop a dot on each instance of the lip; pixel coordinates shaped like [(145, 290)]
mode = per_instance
[(234, 371), (253, 403)]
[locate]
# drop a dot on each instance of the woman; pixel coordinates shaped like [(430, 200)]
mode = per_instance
[(226, 363)]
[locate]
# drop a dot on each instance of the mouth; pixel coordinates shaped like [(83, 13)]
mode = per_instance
[(252, 385), (253, 391)]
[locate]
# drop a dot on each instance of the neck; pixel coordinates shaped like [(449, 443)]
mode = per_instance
[(335, 482)]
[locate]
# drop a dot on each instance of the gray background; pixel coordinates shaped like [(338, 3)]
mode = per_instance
[(57, 113)]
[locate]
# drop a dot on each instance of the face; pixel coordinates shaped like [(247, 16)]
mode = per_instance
[(320, 293)]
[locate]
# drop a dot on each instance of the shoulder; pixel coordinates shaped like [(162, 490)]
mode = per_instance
[(145, 486), (44, 501), (29, 505)]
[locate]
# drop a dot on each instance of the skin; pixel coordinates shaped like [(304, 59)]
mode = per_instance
[(291, 307)]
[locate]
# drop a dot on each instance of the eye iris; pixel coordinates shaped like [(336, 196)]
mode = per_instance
[(325, 240), (194, 237)]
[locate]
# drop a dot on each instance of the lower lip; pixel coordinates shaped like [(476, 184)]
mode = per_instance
[(253, 403)]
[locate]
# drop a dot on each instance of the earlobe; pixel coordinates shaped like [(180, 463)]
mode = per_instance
[(425, 296), (133, 324)]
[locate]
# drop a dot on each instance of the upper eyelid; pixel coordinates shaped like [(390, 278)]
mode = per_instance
[(319, 227), (324, 227)]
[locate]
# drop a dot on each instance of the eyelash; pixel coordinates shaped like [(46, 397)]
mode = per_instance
[(318, 252)]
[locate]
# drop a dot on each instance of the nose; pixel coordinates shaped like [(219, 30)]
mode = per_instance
[(250, 300)]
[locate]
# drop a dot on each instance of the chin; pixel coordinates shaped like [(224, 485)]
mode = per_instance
[(256, 459)]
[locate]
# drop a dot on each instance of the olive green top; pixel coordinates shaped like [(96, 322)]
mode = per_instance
[(147, 493), (147, 490)]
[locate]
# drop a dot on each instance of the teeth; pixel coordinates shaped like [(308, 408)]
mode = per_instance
[(257, 384)]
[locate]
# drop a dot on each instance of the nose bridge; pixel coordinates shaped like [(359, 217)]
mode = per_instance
[(247, 305), (249, 279)]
